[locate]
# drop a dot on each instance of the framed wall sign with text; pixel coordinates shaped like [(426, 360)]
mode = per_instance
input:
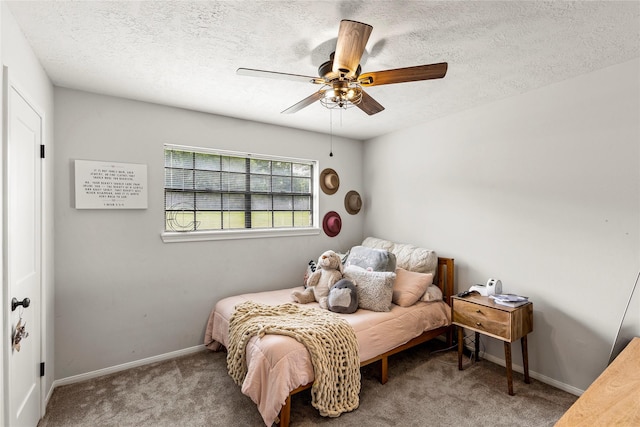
[(109, 185)]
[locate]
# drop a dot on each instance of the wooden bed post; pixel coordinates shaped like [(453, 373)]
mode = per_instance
[(445, 281), (445, 278), (384, 370), (285, 413)]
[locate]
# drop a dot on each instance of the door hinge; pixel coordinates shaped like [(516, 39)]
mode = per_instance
[(42, 151), (42, 369)]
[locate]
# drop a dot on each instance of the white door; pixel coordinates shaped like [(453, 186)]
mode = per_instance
[(22, 231)]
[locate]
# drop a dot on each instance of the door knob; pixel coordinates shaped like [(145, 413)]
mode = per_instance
[(15, 303)]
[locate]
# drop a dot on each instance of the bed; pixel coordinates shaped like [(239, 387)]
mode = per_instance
[(278, 366)]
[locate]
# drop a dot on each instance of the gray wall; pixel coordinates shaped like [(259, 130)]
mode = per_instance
[(541, 191), (124, 295)]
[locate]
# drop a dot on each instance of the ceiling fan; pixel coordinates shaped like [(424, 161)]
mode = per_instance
[(340, 76)]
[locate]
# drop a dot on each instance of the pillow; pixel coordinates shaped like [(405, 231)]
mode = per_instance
[(371, 259), (311, 268), (408, 256), (433, 294), (343, 256), (375, 288), (410, 286)]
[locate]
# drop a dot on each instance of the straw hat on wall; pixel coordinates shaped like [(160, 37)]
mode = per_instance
[(352, 202), (329, 181)]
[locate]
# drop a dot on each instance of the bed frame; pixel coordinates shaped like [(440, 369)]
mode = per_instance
[(444, 280)]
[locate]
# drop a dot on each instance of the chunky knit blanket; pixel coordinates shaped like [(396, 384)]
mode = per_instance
[(330, 340)]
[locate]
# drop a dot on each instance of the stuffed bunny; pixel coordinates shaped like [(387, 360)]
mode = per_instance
[(328, 272)]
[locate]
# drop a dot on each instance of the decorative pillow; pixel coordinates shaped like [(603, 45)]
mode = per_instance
[(311, 268), (343, 256), (375, 288), (343, 297), (408, 256), (371, 259), (433, 294), (410, 286)]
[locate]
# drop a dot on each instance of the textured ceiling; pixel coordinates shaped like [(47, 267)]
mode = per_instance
[(186, 53)]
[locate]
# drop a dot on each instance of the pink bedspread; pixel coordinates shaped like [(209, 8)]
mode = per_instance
[(278, 364)]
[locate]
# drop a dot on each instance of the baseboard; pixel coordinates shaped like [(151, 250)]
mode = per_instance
[(113, 369), (49, 394), (542, 378)]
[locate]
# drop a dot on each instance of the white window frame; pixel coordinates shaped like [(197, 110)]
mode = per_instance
[(245, 233)]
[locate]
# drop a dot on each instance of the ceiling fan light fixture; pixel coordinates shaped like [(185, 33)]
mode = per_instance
[(341, 94)]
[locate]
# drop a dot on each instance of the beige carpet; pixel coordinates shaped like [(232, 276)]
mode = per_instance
[(424, 388)]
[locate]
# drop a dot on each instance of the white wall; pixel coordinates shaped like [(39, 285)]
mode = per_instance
[(27, 73), (541, 191), (124, 295)]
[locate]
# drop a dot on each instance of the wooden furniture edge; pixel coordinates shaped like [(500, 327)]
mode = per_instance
[(444, 280), (611, 400)]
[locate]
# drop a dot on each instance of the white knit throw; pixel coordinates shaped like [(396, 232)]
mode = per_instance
[(330, 340)]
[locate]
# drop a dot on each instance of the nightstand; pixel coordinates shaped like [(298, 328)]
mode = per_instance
[(483, 316)]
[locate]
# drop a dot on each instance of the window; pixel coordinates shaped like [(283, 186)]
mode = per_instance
[(215, 191)]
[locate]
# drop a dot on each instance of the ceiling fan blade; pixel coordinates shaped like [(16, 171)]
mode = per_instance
[(276, 75), (401, 75), (369, 105), (352, 39), (305, 102)]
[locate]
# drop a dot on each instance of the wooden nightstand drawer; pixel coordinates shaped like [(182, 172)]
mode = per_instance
[(482, 315), (481, 318)]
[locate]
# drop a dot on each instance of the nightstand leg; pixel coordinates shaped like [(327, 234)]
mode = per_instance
[(525, 359), (507, 362), (460, 346), (476, 356)]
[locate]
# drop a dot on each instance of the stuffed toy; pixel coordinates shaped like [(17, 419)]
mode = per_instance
[(328, 271), (343, 297)]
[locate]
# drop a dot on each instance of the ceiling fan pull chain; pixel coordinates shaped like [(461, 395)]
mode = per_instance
[(330, 133)]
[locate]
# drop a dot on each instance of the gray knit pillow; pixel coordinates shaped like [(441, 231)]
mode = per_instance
[(371, 259), (375, 288)]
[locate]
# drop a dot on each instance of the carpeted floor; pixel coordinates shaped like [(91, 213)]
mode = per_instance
[(424, 388)]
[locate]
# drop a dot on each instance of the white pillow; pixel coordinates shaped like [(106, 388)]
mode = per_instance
[(375, 288)]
